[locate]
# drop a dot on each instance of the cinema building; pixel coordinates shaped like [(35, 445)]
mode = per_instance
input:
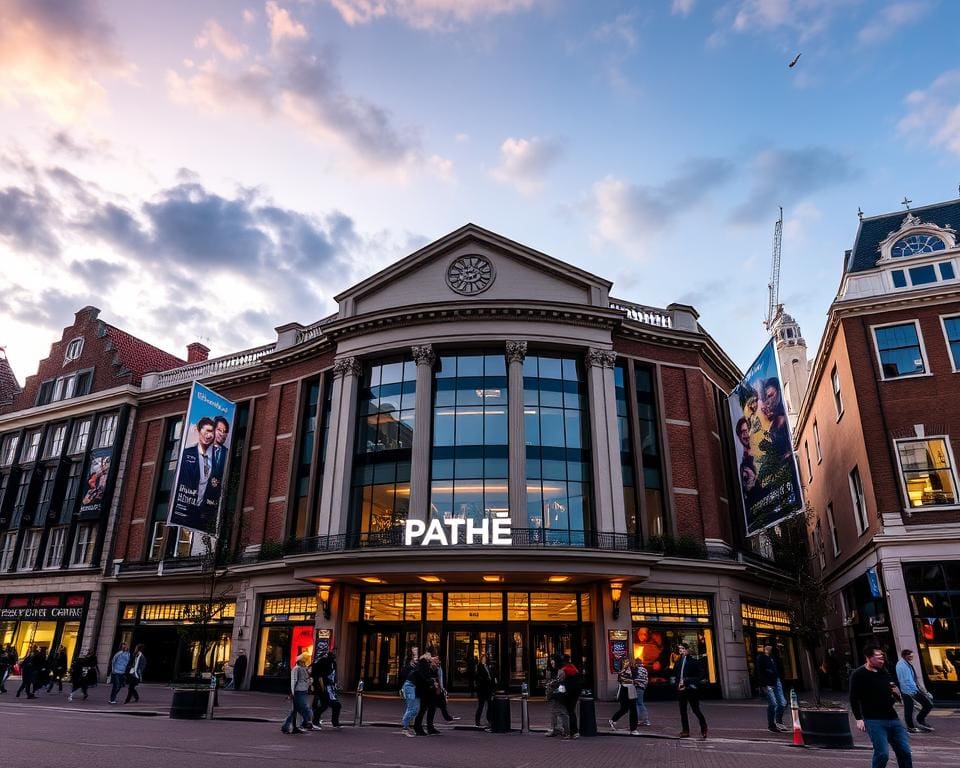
[(476, 380)]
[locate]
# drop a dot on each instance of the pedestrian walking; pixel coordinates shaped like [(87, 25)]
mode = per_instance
[(239, 671), (118, 670), (486, 684), (627, 697), (427, 687), (58, 669), (83, 674), (408, 692), (299, 688), (913, 694), (640, 679), (687, 676), (134, 674), (27, 673), (872, 695), (324, 673), (8, 659), (555, 690), (442, 692), (573, 681), (771, 687)]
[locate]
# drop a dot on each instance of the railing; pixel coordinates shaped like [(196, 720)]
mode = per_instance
[(642, 314), (226, 364), (313, 331), (159, 566)]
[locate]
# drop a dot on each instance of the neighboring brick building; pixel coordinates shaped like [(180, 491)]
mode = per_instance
[(63, 440), (474, 378), (881, 424)]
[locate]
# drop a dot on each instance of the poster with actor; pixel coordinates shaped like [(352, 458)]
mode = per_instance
[(769, 481), (95, 488), (202, 468)]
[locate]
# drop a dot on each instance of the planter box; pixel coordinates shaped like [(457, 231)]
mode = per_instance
[(189, 703), (826, 728)]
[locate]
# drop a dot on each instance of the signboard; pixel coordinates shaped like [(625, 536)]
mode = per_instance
[(42, 613), (873, 578), (618, 645), (95, 489), (323, 643), (451, 531), (202, 467), (769, 480)]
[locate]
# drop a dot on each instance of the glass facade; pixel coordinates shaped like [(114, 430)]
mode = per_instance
[(469, 454), (557, 436), (651, 455), (380, 498), (624, 433), (762, 626), (162, 545), (934, 594)]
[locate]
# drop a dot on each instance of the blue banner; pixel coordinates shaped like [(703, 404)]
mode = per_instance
[(202, 468), (769, 481)]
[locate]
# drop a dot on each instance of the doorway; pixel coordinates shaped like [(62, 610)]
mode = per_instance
[(465, 646)]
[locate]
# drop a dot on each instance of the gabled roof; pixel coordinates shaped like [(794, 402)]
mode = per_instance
[(139, 357), (8, 381), (875, 229)]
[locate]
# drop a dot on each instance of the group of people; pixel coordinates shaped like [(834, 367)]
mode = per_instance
[(38, 669), (423, 692), (320, 678)]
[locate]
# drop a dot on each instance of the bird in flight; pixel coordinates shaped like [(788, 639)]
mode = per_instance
[(793, 63)]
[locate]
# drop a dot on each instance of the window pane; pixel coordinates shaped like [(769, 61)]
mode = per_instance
[(899, 279), (923, 275), (899, 349), (946, 271)]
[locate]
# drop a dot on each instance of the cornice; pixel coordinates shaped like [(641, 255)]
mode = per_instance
[(74, 406), (702, 343)]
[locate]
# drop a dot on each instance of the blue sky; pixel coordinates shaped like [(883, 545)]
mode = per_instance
[(209, 170)]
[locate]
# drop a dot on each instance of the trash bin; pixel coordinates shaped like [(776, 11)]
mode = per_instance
[(588, 716), (500, 714), (189, 704)]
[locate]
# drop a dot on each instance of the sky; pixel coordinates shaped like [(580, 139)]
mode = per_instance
[(210, 170)]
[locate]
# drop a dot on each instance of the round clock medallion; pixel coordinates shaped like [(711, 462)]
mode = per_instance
[(470, 275)]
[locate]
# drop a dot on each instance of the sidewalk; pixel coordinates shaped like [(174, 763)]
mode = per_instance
[(728, 720)]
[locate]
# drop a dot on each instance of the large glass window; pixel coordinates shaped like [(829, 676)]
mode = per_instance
[(380, 498), (900, 350), (469, 476), (630, 506), (661, 623), (934, 593), (299, 525), (166, 469), (951, 328), (925, 467), (559, 494), (648, 415)]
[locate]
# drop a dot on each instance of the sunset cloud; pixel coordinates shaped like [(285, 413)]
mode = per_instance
[(429, 14)]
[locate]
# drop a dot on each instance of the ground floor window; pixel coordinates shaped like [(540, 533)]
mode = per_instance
[(763, 625), (45, 621), (286, 629), (934, 593), (659, 624)]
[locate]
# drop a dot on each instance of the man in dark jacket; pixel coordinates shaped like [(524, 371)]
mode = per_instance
[(324, 673), (486, 684), (872, 694), (426, 684), (771, 686), (28, 671), (687, 675)]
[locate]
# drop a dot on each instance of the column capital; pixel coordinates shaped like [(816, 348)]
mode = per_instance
[(601, 358), (424, 355), (347, 366), (516, 351)]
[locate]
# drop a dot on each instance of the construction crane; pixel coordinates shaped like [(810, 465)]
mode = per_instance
[(774, 308)]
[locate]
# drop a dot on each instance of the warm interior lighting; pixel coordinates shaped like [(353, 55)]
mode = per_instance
[(324, 591), (372, 579), (558, 579), (493, 578), (616, 589), (429, 579)]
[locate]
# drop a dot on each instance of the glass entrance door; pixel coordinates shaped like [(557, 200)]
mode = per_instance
[(380, 657), (464, 650), (549, 642)]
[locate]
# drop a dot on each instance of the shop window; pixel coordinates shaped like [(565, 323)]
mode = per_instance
[(900, 350), (287, 630), (80, 436), (475, 606), (935, 605), (434, 606), (553, 606), (926, 471), (385, 606), (518, 606), (8, 450)]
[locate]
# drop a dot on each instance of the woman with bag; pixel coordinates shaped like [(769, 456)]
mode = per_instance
[(556, 693), (83, 674), (627, 696)]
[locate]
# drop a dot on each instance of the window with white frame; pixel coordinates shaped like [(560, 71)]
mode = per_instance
[(31, 446), (900, 350), (859, 501), (106, 430), (163, 534), (55, 544), (74, 385), (83, 542), (80, 436), (20, 502), (6, 553), (927, 472), (835, 384), (816, 442), (806, 450), (834, 533), (8, 450), (923, 274), (55, 440), (951, 330), (74, 348), (28, 550)]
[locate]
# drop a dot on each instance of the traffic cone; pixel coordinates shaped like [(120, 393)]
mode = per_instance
[(795, 715), (797, 734)]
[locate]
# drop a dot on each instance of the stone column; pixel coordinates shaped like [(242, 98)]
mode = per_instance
[(900, 616), (605, 442), (516, 354), (420, 461), (335, 496)]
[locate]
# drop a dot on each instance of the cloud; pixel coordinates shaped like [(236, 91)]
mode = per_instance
[(525, 162), (891, 20), (52, 53), (933, 114), (628, 213), (29, 220), (786, 176), (216, 37), (282, 25), (621, 29), (429, 14), (681, 7), (805, 19)]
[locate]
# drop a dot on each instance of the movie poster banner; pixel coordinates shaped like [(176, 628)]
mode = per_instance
[(202, 468), (769, 481), (95, 490)]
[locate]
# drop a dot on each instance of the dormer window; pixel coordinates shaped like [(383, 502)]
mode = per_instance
[(74, 348), (916, 245)]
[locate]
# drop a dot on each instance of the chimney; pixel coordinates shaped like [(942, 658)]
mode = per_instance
[(197, 352)]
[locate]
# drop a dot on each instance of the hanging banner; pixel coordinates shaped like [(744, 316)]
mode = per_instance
[(769, 480), (95, 488), (202, 468)]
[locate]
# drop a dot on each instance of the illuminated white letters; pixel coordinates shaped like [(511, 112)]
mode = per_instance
[(446, 532)]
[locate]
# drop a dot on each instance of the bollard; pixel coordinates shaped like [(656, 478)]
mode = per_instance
[(524, 708), (358, 710), (588, 714), (211, 696)]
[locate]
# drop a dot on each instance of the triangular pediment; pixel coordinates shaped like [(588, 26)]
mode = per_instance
[(473, 264)]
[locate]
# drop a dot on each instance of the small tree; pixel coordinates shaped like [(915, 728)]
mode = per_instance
[(199, 617), (808, 602)]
